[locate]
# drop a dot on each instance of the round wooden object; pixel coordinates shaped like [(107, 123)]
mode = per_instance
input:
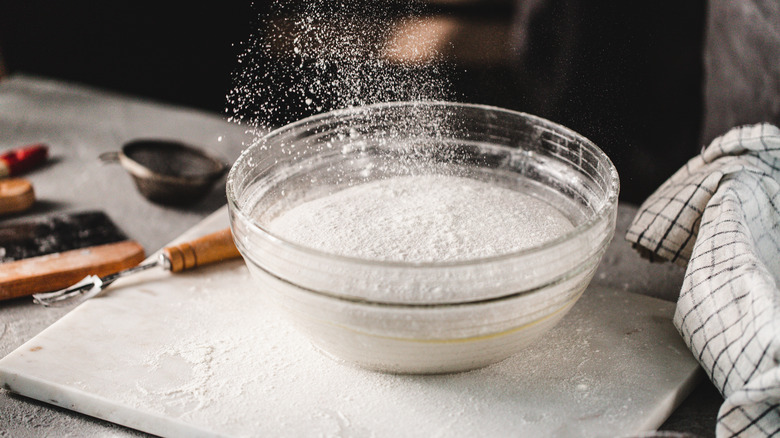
[(16, 194)]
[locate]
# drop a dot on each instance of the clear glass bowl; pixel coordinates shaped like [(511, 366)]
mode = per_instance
[(423, 317)]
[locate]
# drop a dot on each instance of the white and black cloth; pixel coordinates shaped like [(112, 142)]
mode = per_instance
[(720, 215)]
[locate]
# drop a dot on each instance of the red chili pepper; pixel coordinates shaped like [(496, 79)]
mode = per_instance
[(22, 160)]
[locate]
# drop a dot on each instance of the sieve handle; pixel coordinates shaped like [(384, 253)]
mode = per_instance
[(205, 250)]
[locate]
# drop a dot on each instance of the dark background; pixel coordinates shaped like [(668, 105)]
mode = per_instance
[(626, 75), (181, 55)]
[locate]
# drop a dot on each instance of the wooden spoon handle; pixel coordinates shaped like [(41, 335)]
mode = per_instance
[(208, 249)]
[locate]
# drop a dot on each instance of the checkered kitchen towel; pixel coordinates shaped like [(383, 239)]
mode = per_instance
[(720, 215)]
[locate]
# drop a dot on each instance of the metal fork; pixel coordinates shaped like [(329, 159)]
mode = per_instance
[(205, 250)]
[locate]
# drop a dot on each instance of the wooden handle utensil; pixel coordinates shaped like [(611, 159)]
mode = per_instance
[(208, 249)]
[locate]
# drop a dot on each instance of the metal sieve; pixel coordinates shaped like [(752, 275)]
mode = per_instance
[(167, 171)]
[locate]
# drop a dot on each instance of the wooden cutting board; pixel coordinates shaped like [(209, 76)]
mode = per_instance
[(202, 354)]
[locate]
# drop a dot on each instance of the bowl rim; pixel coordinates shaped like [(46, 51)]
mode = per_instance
[(608, 205)]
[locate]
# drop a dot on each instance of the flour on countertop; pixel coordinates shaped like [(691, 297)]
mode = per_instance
[(422, 219)]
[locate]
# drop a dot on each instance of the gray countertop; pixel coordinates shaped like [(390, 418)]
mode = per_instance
[(80, 123)]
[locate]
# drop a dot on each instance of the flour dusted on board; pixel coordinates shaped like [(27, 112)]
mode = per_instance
[(430, 218)]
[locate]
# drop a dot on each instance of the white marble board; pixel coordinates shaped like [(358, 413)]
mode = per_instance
[(200, 354)]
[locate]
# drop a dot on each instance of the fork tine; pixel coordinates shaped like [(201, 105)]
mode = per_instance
[(87, 288), (60, 297)]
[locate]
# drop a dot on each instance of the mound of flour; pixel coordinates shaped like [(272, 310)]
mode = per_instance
[(430, 218)]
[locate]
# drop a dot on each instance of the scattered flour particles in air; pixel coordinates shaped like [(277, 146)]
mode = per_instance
[(430, 218), (315, 56)]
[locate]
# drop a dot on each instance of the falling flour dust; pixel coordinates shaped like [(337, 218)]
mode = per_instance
[(315, 56), (430, 218)]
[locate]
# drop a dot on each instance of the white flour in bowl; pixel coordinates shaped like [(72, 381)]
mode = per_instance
[(431, 218)]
